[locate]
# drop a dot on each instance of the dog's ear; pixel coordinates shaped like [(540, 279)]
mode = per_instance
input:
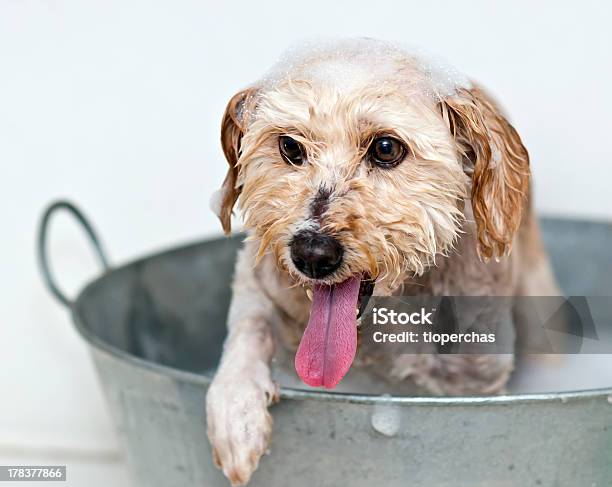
[(499, 164), (232, 130)]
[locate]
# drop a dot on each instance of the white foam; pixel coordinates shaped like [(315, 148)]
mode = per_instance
[(386, 418), (350, 63), (566, 373), (215, 202), (572, 372)]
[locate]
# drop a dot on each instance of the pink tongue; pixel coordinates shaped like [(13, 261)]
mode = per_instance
[(328, 346)]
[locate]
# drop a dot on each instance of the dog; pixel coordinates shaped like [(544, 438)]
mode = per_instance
[(360, 167)]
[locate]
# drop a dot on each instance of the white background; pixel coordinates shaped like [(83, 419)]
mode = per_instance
[(116, 105)]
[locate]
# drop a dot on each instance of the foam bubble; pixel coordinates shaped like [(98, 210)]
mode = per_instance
[(386, 418), (215, 202), (350, 63)]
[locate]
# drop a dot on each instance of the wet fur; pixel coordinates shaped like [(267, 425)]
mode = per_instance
[(452, 219)]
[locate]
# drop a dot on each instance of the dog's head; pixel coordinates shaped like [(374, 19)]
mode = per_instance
[(358, 162), (341, 171)]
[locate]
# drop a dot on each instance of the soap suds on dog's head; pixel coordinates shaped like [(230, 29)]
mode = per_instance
[(349, 64)]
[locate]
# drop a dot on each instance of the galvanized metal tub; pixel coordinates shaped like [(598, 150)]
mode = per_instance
[(155, 329)]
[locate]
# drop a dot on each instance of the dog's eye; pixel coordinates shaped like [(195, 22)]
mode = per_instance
[(386, 151), (291, 150)]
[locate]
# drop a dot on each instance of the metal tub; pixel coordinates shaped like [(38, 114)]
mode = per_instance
[(155, 329)]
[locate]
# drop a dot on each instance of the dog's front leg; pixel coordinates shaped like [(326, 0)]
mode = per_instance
[(239, 424)]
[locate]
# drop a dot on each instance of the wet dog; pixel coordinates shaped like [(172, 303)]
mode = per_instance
[(361, 167)]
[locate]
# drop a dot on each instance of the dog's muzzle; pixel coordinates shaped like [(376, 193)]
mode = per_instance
[(316, 255)]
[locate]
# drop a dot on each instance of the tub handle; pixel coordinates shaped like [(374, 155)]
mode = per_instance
[(43, 257)]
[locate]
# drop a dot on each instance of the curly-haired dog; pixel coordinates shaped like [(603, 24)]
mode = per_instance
[(357, 166)]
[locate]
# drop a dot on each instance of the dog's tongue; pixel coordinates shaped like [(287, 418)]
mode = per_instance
[(328, 346)]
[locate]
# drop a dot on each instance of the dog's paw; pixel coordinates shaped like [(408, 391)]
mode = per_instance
[(239, 424)]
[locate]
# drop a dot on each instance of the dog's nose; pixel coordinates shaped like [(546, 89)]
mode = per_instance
[(316, 255)]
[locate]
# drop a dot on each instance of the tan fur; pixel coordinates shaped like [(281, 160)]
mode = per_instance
[(232, 128), (500, 163), (427, 226), (388, 241)]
